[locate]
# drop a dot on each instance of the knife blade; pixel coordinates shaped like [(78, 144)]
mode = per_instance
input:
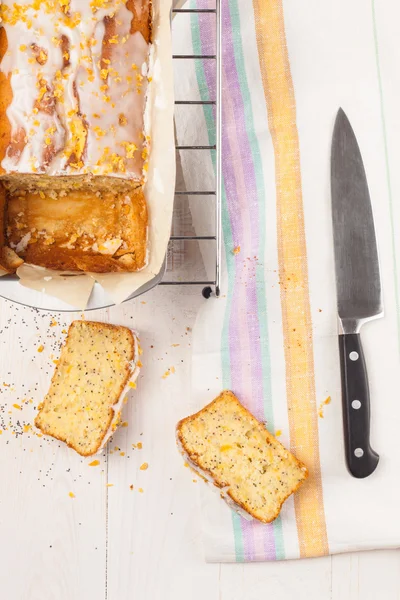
[(359, 292)]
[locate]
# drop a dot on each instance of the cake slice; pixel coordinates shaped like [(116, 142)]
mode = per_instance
[(97, 366), (228, 447)]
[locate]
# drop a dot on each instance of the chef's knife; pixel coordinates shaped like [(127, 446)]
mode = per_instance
[(359, 296)]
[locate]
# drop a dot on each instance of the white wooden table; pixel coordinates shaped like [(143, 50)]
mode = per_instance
[(112, 542)]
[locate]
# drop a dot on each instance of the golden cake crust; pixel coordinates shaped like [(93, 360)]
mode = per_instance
[(9, 260), (79, 232), (5, 101)]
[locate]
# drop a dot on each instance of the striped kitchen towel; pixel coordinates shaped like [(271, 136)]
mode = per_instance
[(272, 336)]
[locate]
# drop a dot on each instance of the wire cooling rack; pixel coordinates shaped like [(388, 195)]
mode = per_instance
[(212, 286)]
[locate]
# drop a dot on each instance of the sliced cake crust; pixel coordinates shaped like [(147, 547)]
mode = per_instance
[(227, 446), (82, 231), (82, 406)]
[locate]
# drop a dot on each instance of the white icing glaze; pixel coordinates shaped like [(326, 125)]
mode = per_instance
[(222, 492), (75, 93), (117, 408)]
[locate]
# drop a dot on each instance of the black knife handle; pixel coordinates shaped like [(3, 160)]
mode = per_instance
[(360, 458)]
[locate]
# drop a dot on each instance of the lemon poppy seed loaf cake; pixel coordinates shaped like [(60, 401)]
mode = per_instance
[(97, 365), (229, 448), (73, 148)]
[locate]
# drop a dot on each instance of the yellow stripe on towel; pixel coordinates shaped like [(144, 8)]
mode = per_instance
[(295, 301)]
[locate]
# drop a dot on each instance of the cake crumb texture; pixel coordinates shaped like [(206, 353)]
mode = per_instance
[(81, 231)]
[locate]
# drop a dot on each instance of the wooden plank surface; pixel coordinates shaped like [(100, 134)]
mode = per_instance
[(53, 544)]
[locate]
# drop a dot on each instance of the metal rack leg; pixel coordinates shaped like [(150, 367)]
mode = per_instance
[(207, 291), (218, 169)]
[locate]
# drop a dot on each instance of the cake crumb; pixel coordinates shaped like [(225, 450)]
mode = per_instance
[(71, 495), (131, 487), (41, 348), (144, 467), (278, 432), (328, 400), (168, 372), (236, 250), (94, 463), (124, 424), (140, 490)]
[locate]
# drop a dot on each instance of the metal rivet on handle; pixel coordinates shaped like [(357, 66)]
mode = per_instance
[(354, 356), (358, 452), (356, 404)]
